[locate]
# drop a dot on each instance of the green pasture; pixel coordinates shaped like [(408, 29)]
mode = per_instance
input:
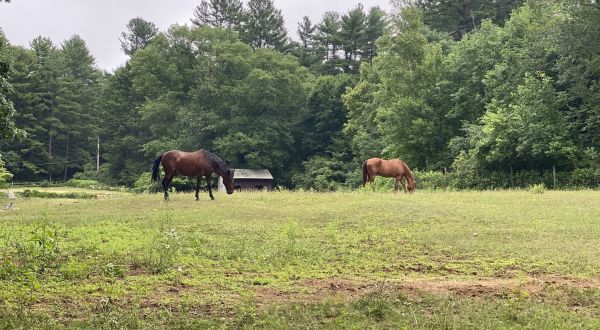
[(505, 259)]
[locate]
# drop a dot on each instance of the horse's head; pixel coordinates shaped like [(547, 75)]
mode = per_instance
[(228, 181), (411, 186)]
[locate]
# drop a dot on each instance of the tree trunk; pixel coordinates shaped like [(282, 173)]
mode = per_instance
[(67, 159)]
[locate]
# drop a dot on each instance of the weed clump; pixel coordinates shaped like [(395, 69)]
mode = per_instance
[(27, 258), (537, 188), (32, 193)]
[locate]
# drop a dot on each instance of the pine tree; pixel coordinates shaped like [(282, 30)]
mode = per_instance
[(328, 34), (265, 26), (352, 33), (375, 26), (459, 17), (138, 35), (308, 46), (219, 13), (76, 102), (7, 126), (35, 82)]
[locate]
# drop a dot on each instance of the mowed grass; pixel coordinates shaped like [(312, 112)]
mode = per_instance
[(509, 259)]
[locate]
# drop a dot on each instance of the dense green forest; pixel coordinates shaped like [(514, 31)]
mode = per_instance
[(475, 88)]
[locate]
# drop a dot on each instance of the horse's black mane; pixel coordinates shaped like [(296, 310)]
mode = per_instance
[(220, 163)]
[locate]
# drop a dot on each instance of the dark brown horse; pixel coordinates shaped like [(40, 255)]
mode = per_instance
[(393, 168), (197, 164)]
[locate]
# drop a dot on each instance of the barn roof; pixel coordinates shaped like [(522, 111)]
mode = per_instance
[(244, 173)]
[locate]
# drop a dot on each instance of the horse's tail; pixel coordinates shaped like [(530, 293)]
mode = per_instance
[(365, 173), (155, 168)]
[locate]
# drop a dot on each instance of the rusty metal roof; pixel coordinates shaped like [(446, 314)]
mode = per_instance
[(244, 173)]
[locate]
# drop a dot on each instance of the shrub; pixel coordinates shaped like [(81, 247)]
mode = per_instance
[(585, 177), (144, 184), (163, 251), (431, 180), (32, 193), (537, 188), (79, 183), (89, 173)]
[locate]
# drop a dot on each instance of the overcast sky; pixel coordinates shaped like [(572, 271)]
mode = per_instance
[(100, 23)]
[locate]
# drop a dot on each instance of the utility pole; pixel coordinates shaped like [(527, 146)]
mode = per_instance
[(98, 155)]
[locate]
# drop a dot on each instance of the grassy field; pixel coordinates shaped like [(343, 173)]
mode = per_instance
[(303, 260)]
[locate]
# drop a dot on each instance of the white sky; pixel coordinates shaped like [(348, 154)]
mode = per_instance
[(100, 23)]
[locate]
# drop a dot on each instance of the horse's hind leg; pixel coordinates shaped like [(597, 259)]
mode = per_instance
[(165, 183), (371, 181), (209, 190), (197, 188), (396, 185)]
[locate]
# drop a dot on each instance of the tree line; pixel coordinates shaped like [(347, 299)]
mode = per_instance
[(470, 87)]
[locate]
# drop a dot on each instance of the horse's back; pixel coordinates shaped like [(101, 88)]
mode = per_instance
[(185, 163), (386, 167)]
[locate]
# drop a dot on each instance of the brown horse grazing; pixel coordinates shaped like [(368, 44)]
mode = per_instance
[(199, 163), (394, 168)]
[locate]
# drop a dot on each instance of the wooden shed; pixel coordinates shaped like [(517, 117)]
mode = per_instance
[(247, 179)]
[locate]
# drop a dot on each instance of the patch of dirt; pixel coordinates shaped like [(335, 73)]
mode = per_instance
[(316, 290)]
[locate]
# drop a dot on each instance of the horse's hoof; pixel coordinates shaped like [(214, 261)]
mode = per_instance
[(212, 198), (197, 199)]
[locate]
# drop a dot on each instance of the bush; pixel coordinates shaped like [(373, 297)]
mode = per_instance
[(31, 193), (80, 183), (144, 184), (585, 177), (162, 252), (537, 188), (89, 173), (431, 180)]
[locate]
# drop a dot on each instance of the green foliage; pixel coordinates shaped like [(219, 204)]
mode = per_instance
[(81, 183), (55, 98), (144, 184), (264, 26), (537, 188), (515, 92), (7, 126), (352, 33), (26, 257), (400, 106), (322, 174), (318, 260), (459, 17), (5, 176), (32, 193), (138, 35), (219, 13), (432, 180), (162, 252)]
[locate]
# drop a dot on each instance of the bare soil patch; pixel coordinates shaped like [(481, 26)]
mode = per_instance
[(316, 290)]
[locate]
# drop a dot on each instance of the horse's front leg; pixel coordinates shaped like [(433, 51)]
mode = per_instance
[(403, 185), (197, 188), (209, 190), (395, 185)]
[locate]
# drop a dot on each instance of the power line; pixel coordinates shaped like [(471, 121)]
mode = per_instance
[(64, 161)]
